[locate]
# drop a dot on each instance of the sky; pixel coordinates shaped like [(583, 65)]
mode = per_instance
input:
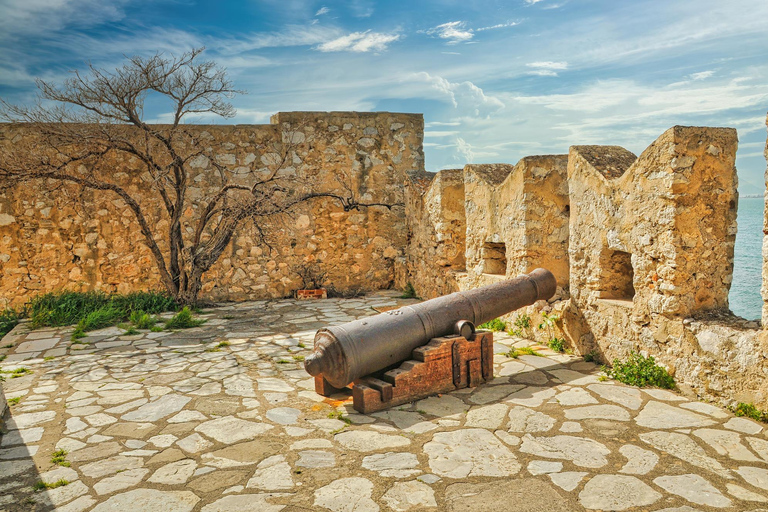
[(496, 80)]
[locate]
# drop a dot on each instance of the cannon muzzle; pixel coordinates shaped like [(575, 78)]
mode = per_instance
[(347, 352)]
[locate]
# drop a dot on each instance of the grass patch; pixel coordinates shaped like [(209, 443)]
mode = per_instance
[(183, 320), (223, 344), (640, 371), (409, 292), (338, 415), (9, 318), (15, 374), (10, 345), (747, 410), (14, 401), (228, 317), (142, 320), (48, 358), (591, 356), (41, 486), (94, 310), (283, 361), (156, 328), (298, 358), (59, 457), (522, 351), (301, 345), (494, 325)]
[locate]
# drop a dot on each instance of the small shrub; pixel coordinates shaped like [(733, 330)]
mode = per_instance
[(9, 318), (522, 326), (494, 325), (640, 371), (409, 292), (59, 457), (557, 344), (750, 411), (183, 320)]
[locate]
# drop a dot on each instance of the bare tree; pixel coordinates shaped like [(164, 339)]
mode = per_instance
[(83, 126)]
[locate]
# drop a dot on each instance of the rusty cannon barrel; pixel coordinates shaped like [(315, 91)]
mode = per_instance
[(347, 352)]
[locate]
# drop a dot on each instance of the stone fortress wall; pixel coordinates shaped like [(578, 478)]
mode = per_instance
[(69, 239), (642, 247)]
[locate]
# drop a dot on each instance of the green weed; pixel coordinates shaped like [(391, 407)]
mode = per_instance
[(41, 486), (142, 320), (522, 351), (592, 356), (409, 292), (9, 318), (557, 344), (494, 325), (640, 371), (298, 358), (223, 344), (156, 328), (18, 372), (748, 410), (183, 320), (14, 401), (59, 457)]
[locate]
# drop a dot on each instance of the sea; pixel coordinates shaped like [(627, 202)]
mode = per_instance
[(744, 297)]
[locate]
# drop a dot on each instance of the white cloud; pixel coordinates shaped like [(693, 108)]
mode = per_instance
[(469, 99), (548, 65), (359, 42), (500, 25), (543, 72), (702, 75), (454, 31), (42, 17), (465, 151), (531, 2), (322, 10)]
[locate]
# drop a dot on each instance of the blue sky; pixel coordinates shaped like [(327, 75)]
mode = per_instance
[(496, 80)]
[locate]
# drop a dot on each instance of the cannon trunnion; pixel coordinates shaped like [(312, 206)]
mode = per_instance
[(435, 341)]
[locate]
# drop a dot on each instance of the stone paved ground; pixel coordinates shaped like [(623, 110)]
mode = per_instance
[(177, 422)]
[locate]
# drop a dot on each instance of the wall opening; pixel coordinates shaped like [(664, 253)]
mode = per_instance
[(616, 275), (494, 258)]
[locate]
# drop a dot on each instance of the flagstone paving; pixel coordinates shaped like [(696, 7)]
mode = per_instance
[(223, 418)]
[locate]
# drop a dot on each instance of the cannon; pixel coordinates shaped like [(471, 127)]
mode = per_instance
[(436, 339)]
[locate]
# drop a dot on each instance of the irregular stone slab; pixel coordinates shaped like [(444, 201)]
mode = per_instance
[(367, 441), (119, 396), (489, 416), (522, 419), (75, 425), (98, 451), (708, 409), (30, 419), (684, 448), (726, 443), (469, 452), (63, 494), (150, 500), (488, 394), (570, 427), (216, 480), (605, 412), (568, 480), (175, 473), (283, 415), (16, 467), (163, 441), (131, 430), (242, 454), (506, 495), (443, 406), (110, 466), (630, 398), (755, 476), (575, 396), (69, 445), (272, 384), (316, 459), (185, 416), (532, 378), (170, 455), (392, 465), (404, 496), (573, 378), (231, 430), (743, 425), (694, 489), (239, 385), (243, 503), (272, 474), (347, 495), (18, 452), (194, 443), (531, 396), (57, 474), (639, 461), (311, 443), (408, 421), (583, 452), (543, 467), (745, 494), (79, 505), (37, 345), (159, 409), (760, 446), (120, 481), (100, 419), (660, 415), (616, 492), (26, 436), (663, 394)]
